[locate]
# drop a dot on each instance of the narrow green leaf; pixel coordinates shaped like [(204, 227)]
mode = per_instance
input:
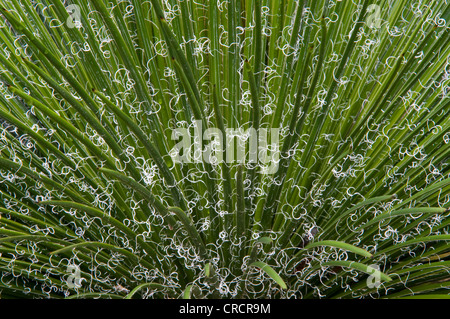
[(193, 233), (96, 244), (403, 212), (264, 240), (270, 272), (152, 285), (358, 266), (187, 292), (341, 245), (240, 204)]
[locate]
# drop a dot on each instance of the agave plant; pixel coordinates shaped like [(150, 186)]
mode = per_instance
[(224, 149)]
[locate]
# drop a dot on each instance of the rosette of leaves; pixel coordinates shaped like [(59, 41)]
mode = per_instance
[(93, 203)]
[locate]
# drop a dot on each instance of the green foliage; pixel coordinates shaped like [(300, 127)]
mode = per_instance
[(94, 204)]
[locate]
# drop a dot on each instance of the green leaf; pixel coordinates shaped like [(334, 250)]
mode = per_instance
[(95, 244), (264, 240), (341, 245), (358, 266), (270, 272), (152, 285), (403, 212), (187, 292)]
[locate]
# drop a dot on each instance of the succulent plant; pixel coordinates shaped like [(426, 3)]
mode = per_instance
[(224, 149)]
